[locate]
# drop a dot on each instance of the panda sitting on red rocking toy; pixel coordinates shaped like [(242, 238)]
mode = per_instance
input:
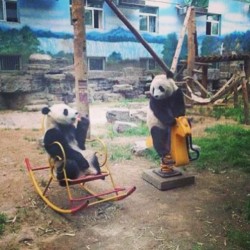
[(64, 125)]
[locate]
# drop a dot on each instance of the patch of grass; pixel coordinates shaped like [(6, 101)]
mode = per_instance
[(236, 114), (247, 209), (120, 152), (127, 102), (141, 130), (239, 238), (225, 146), (152, 155), (3, 221)]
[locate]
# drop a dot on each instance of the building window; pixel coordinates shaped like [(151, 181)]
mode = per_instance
[(147, 63), (148, 19), (96, 63), (213, 25), (10, 62), (94, 14), (9, 11)]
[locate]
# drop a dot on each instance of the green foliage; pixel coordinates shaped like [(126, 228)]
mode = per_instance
[(225, 146), (239, 238), (141, 130), (152, 155), (210, 45), (15, 41), (236, 41), (245, 42), (197, 3), (127, 102), (169, 48), (3, 221), (247, 209), (229, 112), (115, 57), (233, 42), (120, 152)]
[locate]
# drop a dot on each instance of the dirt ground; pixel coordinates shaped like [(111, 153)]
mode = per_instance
[(194, 217)]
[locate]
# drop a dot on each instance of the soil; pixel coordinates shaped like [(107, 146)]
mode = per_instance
[(194, 217)]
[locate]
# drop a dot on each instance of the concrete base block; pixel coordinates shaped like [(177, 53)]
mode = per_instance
[(161, 183)]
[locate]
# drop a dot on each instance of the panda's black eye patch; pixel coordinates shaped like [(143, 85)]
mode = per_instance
[(65, 112), (161, 89)]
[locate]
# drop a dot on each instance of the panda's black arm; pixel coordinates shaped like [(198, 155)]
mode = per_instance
[(54, 150), (162, 111), (178, 103), (81, 132), (54, 135)]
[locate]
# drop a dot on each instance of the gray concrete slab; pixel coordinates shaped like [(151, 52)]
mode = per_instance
[(167, 183)]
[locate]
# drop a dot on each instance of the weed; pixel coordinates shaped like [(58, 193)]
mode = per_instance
[(225, 146), (3, 221), (152, 155), (127, 102), (239, 238), (141, 130), (122, 152), (236, 114), (247, 209)]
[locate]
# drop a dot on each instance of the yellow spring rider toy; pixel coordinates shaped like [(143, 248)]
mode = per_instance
[(181, 148)]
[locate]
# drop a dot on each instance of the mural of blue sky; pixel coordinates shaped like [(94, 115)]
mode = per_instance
[(234, 16), (168, 23), (53, 15)]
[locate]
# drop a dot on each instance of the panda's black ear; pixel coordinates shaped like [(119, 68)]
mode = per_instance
[(45, 110), (170, 74)]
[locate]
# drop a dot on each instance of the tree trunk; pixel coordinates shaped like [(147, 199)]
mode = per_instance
[(80, 64)]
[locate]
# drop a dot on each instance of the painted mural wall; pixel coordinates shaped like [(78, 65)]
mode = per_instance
[(45, 27)]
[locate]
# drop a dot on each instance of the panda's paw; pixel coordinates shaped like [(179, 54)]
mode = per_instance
[(90, 171)]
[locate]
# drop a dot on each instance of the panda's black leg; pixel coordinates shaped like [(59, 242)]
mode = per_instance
[(161, 141), (72, 171)]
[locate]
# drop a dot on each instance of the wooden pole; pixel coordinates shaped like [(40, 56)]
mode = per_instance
[(180, 41), (191, 43), (139, 37), (245, 101), (247, 72), (80, 65)]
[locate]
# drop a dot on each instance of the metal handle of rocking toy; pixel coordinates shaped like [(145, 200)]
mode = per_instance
[(190, 146)]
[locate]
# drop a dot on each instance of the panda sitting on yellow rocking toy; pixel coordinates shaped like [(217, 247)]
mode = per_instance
[(169, 128)]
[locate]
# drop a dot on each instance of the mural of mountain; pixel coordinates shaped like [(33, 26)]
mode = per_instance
[(122, 35)]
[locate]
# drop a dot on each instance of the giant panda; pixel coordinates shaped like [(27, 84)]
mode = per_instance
[(166, 103), (63, 124)]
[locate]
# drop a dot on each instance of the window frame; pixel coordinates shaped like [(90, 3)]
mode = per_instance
[(96, 58), (148, 15), (93, 11), (5, 9), (88, 7), (16, 58), (211, 23)]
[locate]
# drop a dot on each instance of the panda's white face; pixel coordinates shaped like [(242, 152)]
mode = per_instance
[(162, 87), (60, 114)]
